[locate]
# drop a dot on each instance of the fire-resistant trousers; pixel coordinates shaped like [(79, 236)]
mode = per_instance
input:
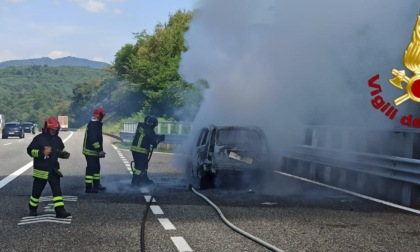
[(141, 161), (39, 185), (93, 170)]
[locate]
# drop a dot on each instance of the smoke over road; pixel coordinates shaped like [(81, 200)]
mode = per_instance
[(283, 64)]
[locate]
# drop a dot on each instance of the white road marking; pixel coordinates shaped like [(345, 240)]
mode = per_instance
[(49, 208), (127, 164), (21, 170), (65, 198), (44, 218), (7, 144), (156, 210), (181, 244), (147, 198), (353, 193), (167, 224)]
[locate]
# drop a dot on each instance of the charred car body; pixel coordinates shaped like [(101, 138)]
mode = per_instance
[(229, 150)]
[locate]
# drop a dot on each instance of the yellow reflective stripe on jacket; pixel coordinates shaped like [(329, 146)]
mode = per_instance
[(90, 152), (96, 145), (40, 174), (35, 153), (138, 148)]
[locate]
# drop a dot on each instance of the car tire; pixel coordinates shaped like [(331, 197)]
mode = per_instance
[(205, 179), (4, 137)]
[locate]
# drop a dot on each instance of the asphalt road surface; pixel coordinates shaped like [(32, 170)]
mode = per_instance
[(282, 213)]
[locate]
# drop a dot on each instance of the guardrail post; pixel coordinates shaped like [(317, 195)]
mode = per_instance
[(381, 186), (361, 181), (327, 174), (408, 144), (159, 128), (407, 194), (169, 128), (300, 167), (314, 140), (180, 129), (312, 170), (342, 178)]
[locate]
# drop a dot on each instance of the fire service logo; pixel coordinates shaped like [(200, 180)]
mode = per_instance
[(411, 61)]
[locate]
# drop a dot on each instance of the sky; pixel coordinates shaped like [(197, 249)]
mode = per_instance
[(90, 29), (282, 64)]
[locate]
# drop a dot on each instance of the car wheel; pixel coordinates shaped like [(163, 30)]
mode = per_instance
[(4, 137), (205, 179)]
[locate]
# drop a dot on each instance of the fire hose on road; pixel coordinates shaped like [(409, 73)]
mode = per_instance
[(240, 231)]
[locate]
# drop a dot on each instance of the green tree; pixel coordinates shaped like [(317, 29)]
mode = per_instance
[(154, 70)]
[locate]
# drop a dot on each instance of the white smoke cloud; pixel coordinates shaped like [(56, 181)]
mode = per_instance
[(282, 64)]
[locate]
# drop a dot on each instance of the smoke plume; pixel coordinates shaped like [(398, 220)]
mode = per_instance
[(284, 64)]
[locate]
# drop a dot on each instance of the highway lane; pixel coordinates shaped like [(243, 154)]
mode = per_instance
[(13, 154), (287, 213)]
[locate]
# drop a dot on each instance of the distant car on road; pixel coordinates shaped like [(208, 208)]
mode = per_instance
[(29, 127), (12, 129), (228, 149)]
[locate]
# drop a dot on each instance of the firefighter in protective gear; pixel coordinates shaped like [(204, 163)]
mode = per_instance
[(46, 148), (145, 139), (93, 151)]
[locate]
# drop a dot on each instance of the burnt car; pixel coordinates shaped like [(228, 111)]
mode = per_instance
[(12, 129), (29, 127), (228, 150)]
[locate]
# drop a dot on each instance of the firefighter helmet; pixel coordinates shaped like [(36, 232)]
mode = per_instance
[(151, 121), (99, 113), (52, 123)]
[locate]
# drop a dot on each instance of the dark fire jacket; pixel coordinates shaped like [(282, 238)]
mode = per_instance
[(144, 139), (44, 165), (93, 142)]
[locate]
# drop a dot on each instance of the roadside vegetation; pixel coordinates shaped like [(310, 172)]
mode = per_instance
[(143, 79)]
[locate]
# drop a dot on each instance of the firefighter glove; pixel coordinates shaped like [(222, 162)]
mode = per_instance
[(102, 154), (64, 155), (161, 138)]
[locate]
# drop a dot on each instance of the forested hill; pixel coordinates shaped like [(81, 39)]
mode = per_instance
[(66, 61), (32, 93)]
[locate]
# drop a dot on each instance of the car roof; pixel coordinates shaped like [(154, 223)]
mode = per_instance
[(250, 127), (28, 123), (12, 123)]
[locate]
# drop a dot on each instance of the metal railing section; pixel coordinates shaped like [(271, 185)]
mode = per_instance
[(333, 153), (175, 132)]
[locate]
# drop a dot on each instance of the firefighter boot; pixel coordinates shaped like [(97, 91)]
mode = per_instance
[(135, 181), (144, 179), (97, 185), (32, 211), (60, 212), (91, 189)]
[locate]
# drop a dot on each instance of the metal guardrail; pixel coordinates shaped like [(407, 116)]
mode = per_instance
[(327, 158), (169, 138), (175, 133)]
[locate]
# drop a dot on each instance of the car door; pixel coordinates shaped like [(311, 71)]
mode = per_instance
[(199, 152)]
